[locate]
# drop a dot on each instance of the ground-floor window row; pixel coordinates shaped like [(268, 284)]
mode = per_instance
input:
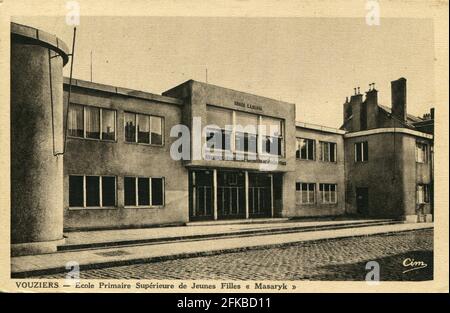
[(307, 193), (91, 191)]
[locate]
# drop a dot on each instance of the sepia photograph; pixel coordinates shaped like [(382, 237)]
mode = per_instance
[(221, 152)]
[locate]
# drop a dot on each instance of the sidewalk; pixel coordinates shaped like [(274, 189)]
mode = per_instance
[(26, 266), (108, 238)]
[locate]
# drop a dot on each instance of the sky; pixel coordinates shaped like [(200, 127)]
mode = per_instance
[(312, 62)]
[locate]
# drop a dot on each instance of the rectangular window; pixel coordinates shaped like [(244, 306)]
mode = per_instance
[(218, 132), (307, 192), (246, 138), (422, 194), (328, 193), (76, 121), (246, 142), (421, 152), (156, 136), (91, 122), (219, 117), (327, 151), (92, 191), (272, 145), (76, 191), (157, 191), (130, 191), (108, 191), (108, 124), (218, 139), (143, 128), (130, 127), (271, 135), (305, 149), (144, 191), (361, 151)]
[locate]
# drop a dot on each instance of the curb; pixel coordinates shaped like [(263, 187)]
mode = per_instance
[(248, 233), (62, 269)]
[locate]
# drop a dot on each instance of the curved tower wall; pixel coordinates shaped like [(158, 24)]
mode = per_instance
[(37, 60)]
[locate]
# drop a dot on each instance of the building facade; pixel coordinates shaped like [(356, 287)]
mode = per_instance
[(120, 158), (377, 165), (319, 171), (389, 157)]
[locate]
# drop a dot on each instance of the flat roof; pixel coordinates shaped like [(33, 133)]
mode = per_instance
[(321, 128), (122, 91), (221, 87)]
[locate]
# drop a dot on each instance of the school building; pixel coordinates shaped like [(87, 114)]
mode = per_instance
[(90, 156)]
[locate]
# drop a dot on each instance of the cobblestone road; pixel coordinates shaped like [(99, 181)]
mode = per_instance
[(337, 259)]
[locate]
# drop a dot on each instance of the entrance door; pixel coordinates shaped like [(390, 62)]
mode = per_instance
[(362, 201), (201, 195), (259, 195), (230, 194)]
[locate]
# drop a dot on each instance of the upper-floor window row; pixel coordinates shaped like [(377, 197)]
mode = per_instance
[(91, 122), (99, 123), (143, 128), (306, 149), (328, 151), (243, 132)]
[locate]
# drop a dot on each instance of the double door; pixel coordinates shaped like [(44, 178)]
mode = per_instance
[(232, 194)]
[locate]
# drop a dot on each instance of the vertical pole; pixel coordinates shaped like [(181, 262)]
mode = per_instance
[(233, 133), (271, 196), (91, 65), (215, 194), (69, 92), (193, 193), (259, 148), (100, 184), (247, 213)]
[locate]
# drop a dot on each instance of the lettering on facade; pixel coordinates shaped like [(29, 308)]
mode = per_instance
[(248, 105)]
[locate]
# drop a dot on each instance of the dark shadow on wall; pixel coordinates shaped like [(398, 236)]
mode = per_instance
[(391, 268)]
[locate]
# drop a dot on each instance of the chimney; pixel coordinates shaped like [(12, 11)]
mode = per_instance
[(371, 114), (398, 92), (347, 110), (432, 113), (355, 105), (372, 94)]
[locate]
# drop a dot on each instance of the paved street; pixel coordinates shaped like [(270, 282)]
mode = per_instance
[(336, 259)]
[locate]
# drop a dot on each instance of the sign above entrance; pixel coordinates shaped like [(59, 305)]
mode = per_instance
[(248, 105)]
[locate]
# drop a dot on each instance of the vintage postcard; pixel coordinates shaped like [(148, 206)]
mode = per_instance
[(224, 147)]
